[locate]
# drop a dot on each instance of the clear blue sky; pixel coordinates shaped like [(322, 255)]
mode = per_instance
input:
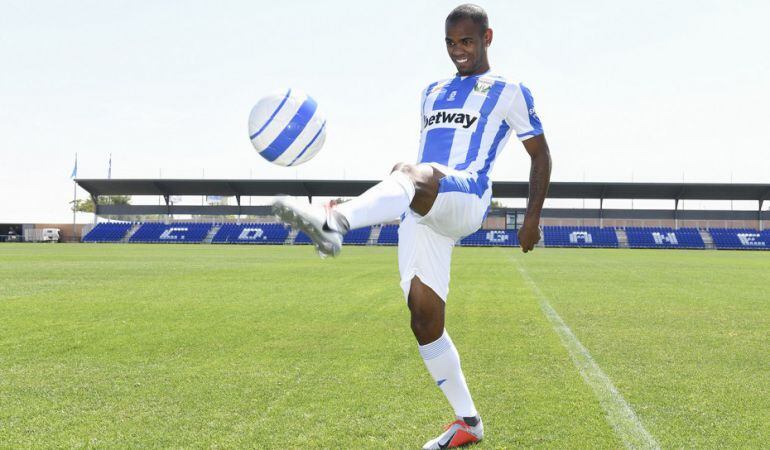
[(652, 90)]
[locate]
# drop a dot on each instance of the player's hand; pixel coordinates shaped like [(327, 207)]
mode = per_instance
[(529, 235)]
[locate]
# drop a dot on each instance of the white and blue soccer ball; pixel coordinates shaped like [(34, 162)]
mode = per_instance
[(286, 128)]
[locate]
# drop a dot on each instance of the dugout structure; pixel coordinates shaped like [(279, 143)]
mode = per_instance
[(239, 189)]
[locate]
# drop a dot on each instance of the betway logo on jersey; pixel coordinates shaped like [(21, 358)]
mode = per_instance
[(459, 119)]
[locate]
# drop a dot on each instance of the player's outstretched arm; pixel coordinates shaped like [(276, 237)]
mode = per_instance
[(539, 178)]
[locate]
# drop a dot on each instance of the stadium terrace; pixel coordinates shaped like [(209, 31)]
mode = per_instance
[(563, 227)]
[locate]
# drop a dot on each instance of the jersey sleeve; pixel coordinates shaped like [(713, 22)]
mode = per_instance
[(522, 115)]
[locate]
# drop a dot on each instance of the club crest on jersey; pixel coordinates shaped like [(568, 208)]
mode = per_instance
[(459, 119), (482, 86)]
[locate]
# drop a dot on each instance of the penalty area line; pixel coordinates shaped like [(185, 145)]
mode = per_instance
[(619, 413)]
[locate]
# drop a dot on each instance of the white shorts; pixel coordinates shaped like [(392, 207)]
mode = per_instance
[(425, 242)]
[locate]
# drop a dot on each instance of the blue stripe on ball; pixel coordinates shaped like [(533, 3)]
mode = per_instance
[(323, 125), (272, 116), (292, 130)]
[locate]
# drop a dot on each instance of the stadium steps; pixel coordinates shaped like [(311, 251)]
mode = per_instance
[(84, 232), (291, 237), (210, 236), (622, 238), (131, 232), (375, 235), (708, 241)]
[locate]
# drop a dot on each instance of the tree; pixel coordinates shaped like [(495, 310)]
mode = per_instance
[(87, 205), (82, 205), (496, 204)]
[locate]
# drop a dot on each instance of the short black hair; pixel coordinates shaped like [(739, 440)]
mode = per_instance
[(470, 11)]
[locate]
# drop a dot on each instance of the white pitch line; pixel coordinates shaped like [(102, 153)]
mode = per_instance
[(620, 416)]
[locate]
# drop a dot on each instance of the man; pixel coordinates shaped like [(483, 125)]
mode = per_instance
[(467, 120)]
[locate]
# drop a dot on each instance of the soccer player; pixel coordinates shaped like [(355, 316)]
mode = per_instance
[(466, 121)]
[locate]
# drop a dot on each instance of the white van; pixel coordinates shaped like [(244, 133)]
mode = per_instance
[(50, 235)]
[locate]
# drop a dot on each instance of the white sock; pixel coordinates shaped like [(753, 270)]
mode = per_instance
[(383, 202), (443, 363)]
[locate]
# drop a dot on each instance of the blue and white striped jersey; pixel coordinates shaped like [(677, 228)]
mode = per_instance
[(466, 121)]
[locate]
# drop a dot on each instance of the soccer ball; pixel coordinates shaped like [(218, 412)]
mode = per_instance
[(286, 128)]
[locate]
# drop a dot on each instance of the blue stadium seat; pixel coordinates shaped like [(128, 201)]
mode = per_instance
[(554, 236), (557, 236), (388, 235), (187, 233), (302, 238), (491, 238), (648, 237), (108, 232), (740, 238), (251, 233), (359, 236)]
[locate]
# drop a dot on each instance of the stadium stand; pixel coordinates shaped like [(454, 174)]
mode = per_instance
[(359, 236), (302, 239), (388, 235), (491, 238), (555, 236), (108, 232), (251, 233), (740, 238), (153, 232), (639, 237)]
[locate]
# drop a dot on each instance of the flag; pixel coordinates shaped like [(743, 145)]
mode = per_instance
[(75, 169), (109, 168)]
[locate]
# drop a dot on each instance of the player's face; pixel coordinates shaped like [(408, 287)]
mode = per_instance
[(467, 47)]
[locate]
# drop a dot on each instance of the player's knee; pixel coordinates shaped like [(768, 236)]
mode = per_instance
[(424, 327), (403, 167), (427, 326), (422, 176)]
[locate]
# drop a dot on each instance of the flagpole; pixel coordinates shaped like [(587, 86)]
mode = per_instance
[(74, 195), (74, 204)]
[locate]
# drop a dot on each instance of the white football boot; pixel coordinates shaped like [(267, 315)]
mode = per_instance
[(311, 220), (457, 434)]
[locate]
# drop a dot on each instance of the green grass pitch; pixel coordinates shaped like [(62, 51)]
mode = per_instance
[(269, 347)]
